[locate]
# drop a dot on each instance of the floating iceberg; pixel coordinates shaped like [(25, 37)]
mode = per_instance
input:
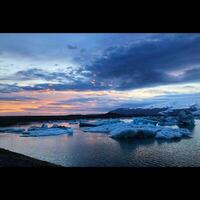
[(196, 113), (48, 132), (73, 122), (131, 130), (157, 132), (170, 133), (45, 131), (137, 131), (106, 128), (168, 121), (58, 126), (99, 122), (12, 129), (142, 121), (186, 118)]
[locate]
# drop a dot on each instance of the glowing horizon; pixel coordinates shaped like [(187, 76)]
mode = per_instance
[(61, 74)]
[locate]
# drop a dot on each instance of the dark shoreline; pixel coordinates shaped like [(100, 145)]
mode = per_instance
[(12, 159), (12, 120)]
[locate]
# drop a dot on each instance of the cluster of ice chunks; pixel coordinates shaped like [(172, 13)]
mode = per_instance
[(98, 122), (139, 127), (44, 130), (36, 131)]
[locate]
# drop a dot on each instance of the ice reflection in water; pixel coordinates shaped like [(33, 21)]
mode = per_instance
[(95, 149)]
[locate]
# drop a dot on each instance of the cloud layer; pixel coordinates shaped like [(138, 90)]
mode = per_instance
[(158, 60), (128, 67)]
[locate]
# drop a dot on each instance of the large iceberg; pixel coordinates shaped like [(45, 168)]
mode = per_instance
[(185, 118), (170, 133), (106, 128), (99, 122), (196, 113), (142, 121), (134, 131), (168, 121), (131, 130)]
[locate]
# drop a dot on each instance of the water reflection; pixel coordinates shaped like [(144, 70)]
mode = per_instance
[(132, 144), (96, 149)]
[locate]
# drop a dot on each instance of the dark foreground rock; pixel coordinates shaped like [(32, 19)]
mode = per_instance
[(12, 159)]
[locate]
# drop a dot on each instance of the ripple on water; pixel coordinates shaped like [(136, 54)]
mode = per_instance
[(85, 149)]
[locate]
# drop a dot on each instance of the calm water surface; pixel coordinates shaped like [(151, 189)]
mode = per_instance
[(95, 149)]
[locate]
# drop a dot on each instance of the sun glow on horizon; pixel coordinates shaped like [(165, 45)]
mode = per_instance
[(49, 102)]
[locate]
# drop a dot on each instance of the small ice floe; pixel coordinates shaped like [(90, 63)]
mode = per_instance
[(55, 129), (99, 122), (12, 129)]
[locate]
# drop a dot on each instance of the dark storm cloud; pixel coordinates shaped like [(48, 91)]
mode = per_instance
[(159, 60), (148, 63), (35, 73), (76, 86)]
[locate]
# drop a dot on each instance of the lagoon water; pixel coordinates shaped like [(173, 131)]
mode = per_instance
[(95, 149)]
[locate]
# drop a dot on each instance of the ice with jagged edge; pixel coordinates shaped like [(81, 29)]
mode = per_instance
[(131, 130), (45, 131), (11, 130), (99, 122)]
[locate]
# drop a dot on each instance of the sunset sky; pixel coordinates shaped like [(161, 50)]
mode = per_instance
[(52, 74)]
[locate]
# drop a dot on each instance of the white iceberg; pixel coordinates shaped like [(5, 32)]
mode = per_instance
[(32, 128), (196, 113), (158, 133), (99, 122), (106, 128), (131, 130), (186, 118), (168, 121), (135, 131), (170, 133), (48, 132), (12, 129), (142, 121), (55, 129), (58, 126), (73, 122)]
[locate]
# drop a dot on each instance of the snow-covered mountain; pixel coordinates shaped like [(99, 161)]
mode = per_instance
[(169, 105), (155, 111), (170, 109)]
